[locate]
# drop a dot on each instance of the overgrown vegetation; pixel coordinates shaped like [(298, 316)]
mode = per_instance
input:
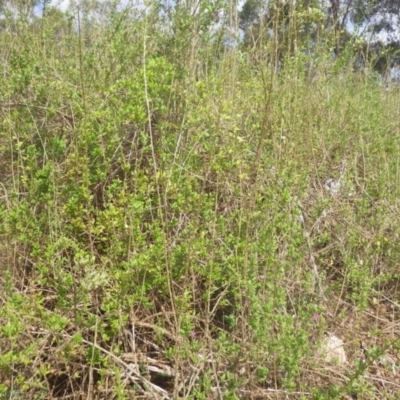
[(184, 215)]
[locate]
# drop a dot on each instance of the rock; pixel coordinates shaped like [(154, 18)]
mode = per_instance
[(332, 349), (332, 186)]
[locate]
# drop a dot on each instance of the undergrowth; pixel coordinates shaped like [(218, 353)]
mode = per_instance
[(180, 219)]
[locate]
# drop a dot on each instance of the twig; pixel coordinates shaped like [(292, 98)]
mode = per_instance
[(276, 391), (312, 259), (154, 388)]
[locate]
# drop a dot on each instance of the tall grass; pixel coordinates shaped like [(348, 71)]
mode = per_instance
[(167, 223)]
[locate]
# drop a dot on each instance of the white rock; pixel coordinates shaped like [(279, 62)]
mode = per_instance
[(332, 349), (332, 186)]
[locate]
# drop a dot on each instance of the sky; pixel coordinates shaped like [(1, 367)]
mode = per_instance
[(64, 5)]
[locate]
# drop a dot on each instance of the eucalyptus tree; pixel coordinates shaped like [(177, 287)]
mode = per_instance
[(18, 8)]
